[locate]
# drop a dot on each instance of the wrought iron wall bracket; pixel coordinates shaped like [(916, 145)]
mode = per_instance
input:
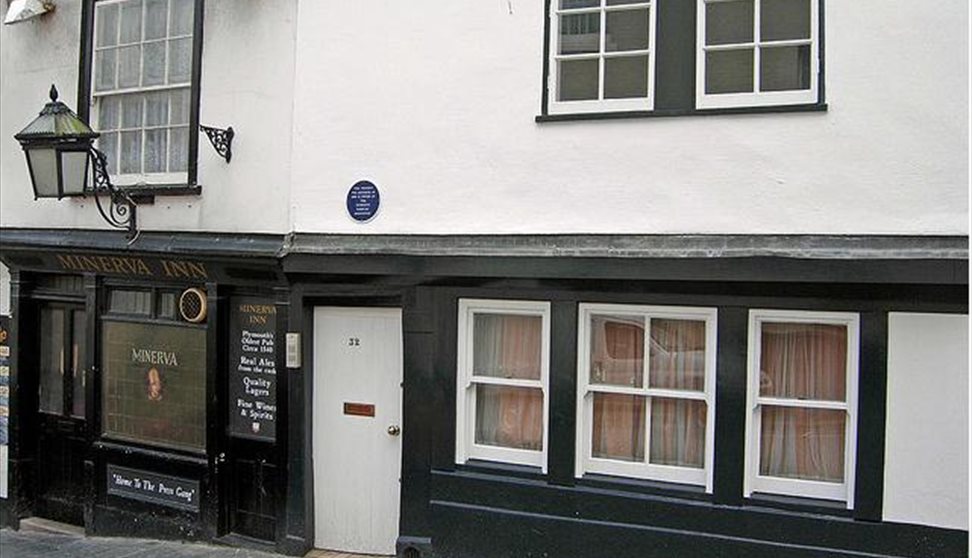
[(120, 212), (222, 140)]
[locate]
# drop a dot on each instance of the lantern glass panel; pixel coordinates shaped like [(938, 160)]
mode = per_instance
[(74, 172), (43, 171)]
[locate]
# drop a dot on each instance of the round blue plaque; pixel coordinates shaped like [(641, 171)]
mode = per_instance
[(363, 200)]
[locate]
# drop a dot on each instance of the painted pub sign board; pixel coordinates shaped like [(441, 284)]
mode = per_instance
[(253, 369)]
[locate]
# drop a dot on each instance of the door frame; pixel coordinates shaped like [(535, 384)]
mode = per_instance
[(300, 487)]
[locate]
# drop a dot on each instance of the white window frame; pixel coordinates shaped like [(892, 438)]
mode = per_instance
[(757, 98), (585, 462), (466, 382), (754, 482), (600, 104), (132, 179)]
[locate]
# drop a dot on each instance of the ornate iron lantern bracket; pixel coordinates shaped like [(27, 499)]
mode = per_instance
[(221, 139), (120, 212)]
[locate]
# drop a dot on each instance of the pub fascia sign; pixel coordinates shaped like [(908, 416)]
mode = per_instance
[(133, 266)]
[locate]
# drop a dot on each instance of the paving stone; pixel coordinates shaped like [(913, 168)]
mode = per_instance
[(33, 544)]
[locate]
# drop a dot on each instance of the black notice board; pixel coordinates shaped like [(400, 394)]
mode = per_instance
[(253, 370)]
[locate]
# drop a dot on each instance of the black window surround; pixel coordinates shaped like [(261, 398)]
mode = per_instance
[(146, 192), (675, 70)]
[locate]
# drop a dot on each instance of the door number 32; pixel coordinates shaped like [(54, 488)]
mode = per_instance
[(354, 342)]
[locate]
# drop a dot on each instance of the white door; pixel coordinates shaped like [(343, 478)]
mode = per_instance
[(357, 417)]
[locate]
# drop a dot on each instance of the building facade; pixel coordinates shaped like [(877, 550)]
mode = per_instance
[(563, 278)]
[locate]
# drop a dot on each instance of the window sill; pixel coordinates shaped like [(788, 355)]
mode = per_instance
[(799, 504), (171, 456), (642, 486), (496, 467), (146, 193), (665, 113)]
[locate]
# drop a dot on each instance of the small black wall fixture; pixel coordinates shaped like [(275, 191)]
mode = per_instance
[(221, 139), (60, 151)]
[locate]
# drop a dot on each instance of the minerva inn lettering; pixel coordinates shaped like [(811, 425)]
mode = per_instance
[(151, 356), (132, 266)]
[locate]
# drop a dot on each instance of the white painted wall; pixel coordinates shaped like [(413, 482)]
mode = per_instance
[(247, 83), (926, 471), (4, 290), (435, 103)]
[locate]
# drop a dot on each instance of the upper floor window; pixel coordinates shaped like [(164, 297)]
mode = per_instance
[(603, 55), (756, 52), (645, 392), (802, 392), (502, 393), (675, 57), (142, 96)]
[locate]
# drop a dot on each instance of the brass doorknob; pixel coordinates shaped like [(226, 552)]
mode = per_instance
[(394, 430)]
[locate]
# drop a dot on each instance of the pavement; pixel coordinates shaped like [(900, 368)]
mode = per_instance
[(39, 544)]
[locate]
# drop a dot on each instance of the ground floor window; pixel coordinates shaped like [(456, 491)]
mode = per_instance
[(646, 377), (502, 374), (802, 392)]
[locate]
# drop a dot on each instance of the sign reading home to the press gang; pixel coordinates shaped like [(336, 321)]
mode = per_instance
[(164, 490), (363, 201), (253, 369)]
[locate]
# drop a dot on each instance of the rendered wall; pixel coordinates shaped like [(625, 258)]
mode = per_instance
[(435, 103), (247, 79), (927, 442)]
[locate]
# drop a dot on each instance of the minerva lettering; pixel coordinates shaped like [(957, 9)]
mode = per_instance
[(151, 356)]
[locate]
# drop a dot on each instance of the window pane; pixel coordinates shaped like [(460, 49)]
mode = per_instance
[(572, 4), (52, 361), (108, 144), (510, 417), (507, 346), (799, 443), (626, 30), (78, 362), (108, 109), (178, 149), (626, 77), (181, 18), (580, 33), (180, 106), (154, 384), (578, 80), (677, 352), (621, 2), (617, 350), (678, 432), (784, 19), (131, 111), (107, 23), (131, 153), (129, 61), (729, 22), (784, 68), (167, 305), (729, 71), (803, 361), (156, 109), (619, 427), (155, 155), (156, 16), (153, 63), (130, 302), (105, 69), (131, 22), (180, 60)]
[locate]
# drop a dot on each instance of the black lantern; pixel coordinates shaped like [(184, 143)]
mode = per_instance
[(61, 157), (56, 144)]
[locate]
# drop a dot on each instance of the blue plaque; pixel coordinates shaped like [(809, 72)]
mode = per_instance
[(363, 200)]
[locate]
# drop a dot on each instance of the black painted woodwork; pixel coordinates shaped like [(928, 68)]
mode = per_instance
[(482, 508)]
